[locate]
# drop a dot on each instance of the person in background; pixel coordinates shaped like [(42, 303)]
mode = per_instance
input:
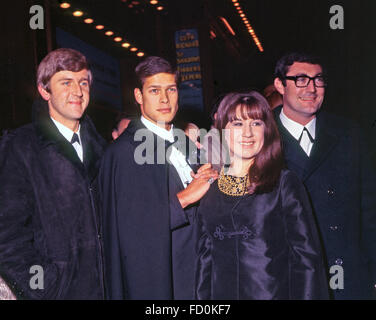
[(211, 142), (273, 97), (121, 123), (258, 238), (193, 133)]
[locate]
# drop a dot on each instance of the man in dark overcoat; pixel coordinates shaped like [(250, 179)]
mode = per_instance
[(331, 157), (147, 189), (50, 246)]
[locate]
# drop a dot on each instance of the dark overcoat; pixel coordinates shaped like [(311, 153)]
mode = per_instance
[(259, 246), (148, 237), (341, 184), (48, 212)]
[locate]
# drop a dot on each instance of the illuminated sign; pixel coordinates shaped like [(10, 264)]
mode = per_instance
[(188, 64)]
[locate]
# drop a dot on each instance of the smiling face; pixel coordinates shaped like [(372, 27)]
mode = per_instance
[(159, 99), (68, 97), (301, 104), (245, 139)]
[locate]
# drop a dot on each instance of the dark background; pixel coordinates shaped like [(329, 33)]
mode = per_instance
[(228, 62)]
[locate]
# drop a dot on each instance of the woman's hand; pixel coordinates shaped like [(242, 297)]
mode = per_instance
[(200, 184)]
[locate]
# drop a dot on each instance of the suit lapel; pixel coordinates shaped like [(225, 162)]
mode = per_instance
[(49, 136), (324, 143), (90, 157), (295, 157)]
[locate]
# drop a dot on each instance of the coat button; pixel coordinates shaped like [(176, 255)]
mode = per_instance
[(333, 228), (338, 262), (331, 192)]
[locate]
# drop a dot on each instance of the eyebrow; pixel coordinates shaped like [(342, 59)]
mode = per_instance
[(71, 79), (159, 86), (306, 75)]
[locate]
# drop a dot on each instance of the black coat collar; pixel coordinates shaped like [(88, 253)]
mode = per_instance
[(49, 136), (325, 140), (189, 149)]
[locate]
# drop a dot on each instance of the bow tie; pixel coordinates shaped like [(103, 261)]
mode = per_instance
[(75, 138)]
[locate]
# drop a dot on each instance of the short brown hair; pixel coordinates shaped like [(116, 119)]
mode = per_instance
[(151, 66), (60, 60), (266, 169)]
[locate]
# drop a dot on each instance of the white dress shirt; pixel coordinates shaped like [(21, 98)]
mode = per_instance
[(296, 130), (177, 159), (68, 134)]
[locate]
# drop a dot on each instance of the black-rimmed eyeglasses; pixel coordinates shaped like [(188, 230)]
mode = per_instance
[(303, 81)]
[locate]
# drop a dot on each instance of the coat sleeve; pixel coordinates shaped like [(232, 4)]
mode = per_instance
[(17, 213), (368, 209), (203, 263), (307, 277), (113, 266), (178, 216)]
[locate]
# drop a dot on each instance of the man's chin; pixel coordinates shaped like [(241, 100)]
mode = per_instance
[(167, 119)]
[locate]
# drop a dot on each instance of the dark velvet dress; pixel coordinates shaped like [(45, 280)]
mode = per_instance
[(261, 246)]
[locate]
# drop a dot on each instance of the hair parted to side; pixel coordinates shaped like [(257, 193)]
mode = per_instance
[(285, 62), (60, 60), (268, 163), (151, 66)]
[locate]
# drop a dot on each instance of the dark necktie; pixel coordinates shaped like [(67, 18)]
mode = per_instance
[(309, 135), (75, 138)]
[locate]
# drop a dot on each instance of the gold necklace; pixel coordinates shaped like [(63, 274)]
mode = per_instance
[(233, 186)]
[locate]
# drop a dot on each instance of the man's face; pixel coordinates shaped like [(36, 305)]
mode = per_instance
[(301, 104), (68, 97), (158, 99)]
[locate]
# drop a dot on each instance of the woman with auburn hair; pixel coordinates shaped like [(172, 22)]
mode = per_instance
[(257, 238)]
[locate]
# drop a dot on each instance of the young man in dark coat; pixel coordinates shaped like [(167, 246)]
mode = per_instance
[(148, 224), (330, 156), (50, 246)]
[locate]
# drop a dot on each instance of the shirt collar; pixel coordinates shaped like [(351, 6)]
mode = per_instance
[(65, 131), (296, 128), (163, 133)]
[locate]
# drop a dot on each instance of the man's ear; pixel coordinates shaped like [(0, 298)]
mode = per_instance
[(279, 86), (44, 93), (138, 96)]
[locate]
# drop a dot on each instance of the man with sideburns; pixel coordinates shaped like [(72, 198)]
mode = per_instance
[(330, 155), (149, 232), (50, 246)]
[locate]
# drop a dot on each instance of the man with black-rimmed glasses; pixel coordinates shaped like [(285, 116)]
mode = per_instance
[(331, 157)]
